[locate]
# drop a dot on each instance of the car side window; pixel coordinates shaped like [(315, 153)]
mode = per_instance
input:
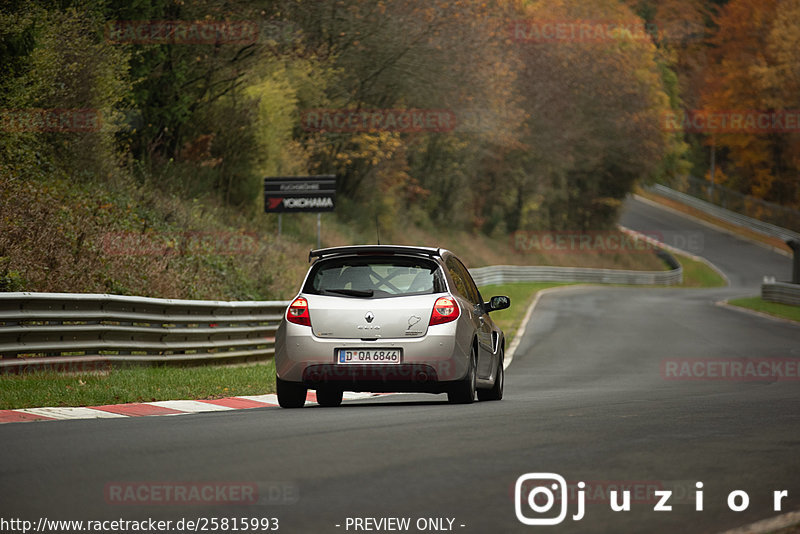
[(472, 290), (465, 286), (458, 279)]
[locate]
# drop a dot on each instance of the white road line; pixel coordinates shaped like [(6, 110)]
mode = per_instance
[(509, 357), (354, 395), (269, 399), (190, 406), (71, 413), (772, 524), (740, 309)]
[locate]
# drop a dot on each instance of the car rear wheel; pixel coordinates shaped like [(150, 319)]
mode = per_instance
[(291, 394), (329, 397), (464, 391), (496, 391)]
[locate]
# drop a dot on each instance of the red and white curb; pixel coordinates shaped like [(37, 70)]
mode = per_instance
[(140, 409)]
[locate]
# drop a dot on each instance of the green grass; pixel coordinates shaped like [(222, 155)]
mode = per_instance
[(783, 311), (135, 384), (521, 294), (698, 274)]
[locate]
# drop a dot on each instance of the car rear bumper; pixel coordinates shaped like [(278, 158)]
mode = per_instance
[(375, 378), (426, 362)]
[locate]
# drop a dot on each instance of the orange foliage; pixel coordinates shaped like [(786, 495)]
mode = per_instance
[(753, 66)]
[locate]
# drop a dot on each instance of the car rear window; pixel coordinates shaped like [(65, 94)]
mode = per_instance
[(375, 277)]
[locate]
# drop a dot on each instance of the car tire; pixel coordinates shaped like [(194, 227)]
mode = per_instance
[(496, 391), (329, 397), (291, 394), (464, 391)]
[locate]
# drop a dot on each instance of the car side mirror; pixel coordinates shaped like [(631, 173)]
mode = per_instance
[(497, 303)]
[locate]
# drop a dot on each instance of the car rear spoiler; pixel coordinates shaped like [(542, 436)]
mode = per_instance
[(373, 249)]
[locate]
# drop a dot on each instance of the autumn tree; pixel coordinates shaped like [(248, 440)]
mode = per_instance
[(55, 64), (777, 76), (594, 106), (729, 86), (413, 54)]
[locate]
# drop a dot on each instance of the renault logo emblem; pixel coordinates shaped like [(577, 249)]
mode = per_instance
[(369, 317)]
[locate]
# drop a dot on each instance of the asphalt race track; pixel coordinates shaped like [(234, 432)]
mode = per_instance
[(586, 398)]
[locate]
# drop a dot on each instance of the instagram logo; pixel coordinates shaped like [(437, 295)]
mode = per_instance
[(540, 491)]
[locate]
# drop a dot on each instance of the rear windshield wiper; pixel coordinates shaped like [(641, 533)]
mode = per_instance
[(351, 292)]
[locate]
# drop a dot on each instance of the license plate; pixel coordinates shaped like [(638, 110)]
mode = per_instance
[(369, 356)]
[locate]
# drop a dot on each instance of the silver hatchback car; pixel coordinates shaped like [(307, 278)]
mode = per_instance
[(386, 318)]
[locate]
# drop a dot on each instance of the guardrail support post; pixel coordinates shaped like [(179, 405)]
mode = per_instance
[(794, 244)]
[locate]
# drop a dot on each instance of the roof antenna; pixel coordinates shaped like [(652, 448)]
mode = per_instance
[(378, 228)]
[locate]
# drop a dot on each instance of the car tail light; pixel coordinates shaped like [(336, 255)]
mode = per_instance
[(444, 310), (298, 312)]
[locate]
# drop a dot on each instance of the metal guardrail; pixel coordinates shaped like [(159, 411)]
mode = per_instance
[(87, 331), (503, 274), (732, 217), (781, 292), (749, 205), (73, 332)]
